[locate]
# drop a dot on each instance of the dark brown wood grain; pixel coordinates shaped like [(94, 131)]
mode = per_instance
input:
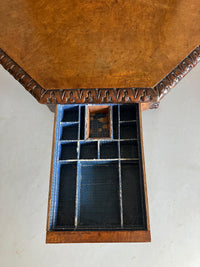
[(99, 51)]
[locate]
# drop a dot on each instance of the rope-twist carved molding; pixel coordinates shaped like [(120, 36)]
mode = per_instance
[(102, 95)]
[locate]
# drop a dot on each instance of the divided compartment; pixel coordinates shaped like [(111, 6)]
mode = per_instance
[(88, 150), (70, 132), (70, 114), (128, 112), (134, 213), (97, 185), (109, 150), (68, 151), (99, 203), (128, 130), (129, 149), (65, 210)]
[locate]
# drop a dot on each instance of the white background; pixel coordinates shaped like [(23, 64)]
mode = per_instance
[(172, 155)]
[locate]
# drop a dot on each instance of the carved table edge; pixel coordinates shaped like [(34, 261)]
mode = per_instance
[(149, 96)]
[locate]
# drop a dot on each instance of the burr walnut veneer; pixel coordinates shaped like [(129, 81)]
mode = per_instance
[(102, 51)]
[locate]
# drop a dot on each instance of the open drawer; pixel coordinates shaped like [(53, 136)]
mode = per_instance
[(97, 185)]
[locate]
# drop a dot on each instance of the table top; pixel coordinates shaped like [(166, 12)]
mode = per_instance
[(99, 51)]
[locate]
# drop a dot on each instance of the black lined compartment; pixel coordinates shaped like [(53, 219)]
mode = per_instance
[(68, 151), (128, 112), (82, 123), (99, 195), (67, 196), (115, 121), (128, 130), (70, 132), (109, 150), (88, 150), (70, 114), (132, 196), (128, 149)]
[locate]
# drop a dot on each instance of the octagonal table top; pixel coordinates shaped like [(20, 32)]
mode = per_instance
[(99, 51)]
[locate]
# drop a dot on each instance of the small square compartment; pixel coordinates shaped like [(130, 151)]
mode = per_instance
[(109, 150), (68, 151), (128, 149), (99, 204), (128, 130), (98, 122), (70, 132), (88, 150), (128, 112), (70, 114)]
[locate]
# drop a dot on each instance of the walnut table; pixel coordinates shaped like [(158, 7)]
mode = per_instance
[(98, 64)]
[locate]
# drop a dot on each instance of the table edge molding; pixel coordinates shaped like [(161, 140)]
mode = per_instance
[(102, 95)]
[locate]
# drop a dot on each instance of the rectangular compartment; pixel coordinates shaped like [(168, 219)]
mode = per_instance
[(128, 130), (68, 151), (82, 123), (70, 132), (88, 150), (99, 206), (115, 122), (70, 114), (98, 123), (65, 215), (128, 112), (109, 150), (128, 149), (134, 213)]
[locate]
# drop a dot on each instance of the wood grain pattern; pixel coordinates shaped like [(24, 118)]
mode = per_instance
[(149, 97), (67, 47), (143, 167), (97, 236)]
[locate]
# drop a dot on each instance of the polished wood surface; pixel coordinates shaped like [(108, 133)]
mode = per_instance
[(97, 236), (98, 44)]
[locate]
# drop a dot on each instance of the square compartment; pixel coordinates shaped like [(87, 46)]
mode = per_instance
[(109, 150), (99, 204), (70, 114), (68, 151), (128, 149), (88, 150), (65, 211), (128, 130), (98, 122), (70, 132), (128, 112)]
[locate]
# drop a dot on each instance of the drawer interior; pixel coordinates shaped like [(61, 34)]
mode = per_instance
[(97, 179)]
